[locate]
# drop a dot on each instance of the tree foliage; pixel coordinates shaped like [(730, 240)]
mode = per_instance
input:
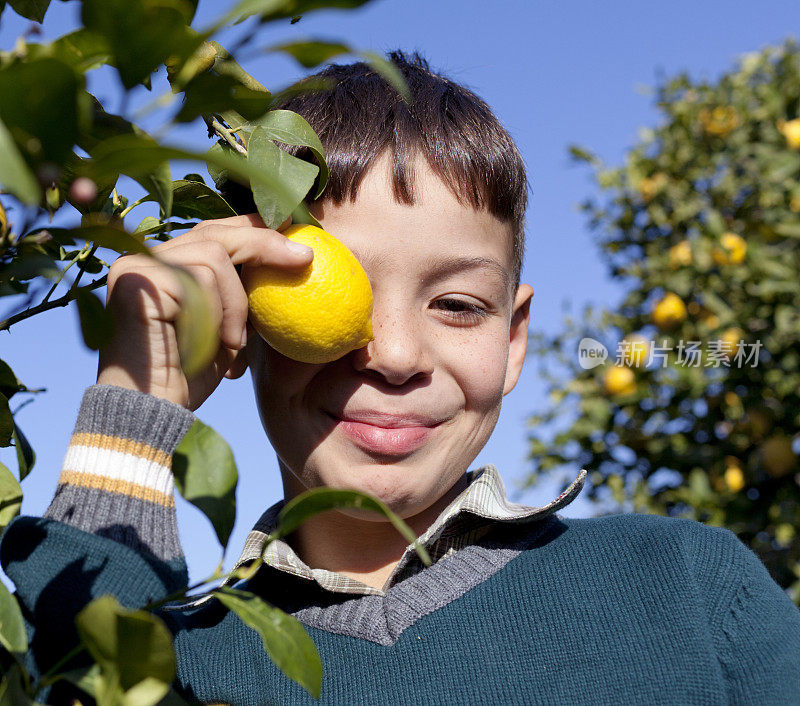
[(695, 412), (63, 216)]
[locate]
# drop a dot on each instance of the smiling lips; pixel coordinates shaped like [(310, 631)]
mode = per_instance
[(386, 434)]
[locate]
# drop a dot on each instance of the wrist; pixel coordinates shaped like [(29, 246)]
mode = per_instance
[(174, 390)]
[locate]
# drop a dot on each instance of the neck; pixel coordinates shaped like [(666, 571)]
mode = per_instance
[(365, 550)]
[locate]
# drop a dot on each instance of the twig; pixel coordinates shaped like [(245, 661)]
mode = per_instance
[(46, 306), (82, 268), (227, 135)]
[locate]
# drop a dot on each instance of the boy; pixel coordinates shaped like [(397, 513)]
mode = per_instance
[(521, 605)]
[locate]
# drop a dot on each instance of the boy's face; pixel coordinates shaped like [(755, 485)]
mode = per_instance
[(432, 356)]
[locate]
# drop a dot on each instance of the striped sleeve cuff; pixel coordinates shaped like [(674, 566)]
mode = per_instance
[(116, 480)]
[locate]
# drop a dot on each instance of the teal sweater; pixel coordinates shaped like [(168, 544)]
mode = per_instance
[(625, 609)]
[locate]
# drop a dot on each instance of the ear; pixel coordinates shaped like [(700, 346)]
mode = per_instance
[(518, 335)]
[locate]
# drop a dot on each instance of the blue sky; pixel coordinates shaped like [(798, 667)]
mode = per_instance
[(556, 73)]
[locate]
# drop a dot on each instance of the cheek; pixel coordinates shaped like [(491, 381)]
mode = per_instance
[(479, 364), (276, 377)]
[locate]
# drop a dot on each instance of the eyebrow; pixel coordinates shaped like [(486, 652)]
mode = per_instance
[(447, 266)]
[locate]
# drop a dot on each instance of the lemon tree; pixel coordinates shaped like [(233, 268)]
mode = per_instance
[(700, 225)]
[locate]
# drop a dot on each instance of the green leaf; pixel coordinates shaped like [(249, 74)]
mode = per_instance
[(282, 176), (83, 50), (310, 54), (30, 9), (287, 178), (148, 226), (158, 182), (302, 215), (211, 93), (97, 325), (6, 422), (40, 107), (142, 34), (85, 678), (390, 73), (9, 383), (218, 172), (205, 475), (289, 127), (15, 176), (110, 237), (26, 456), (147, 692), (129, 645), (12, 688), (12, 627), (268, 10), (287, 643), (10, 497), (197, 332), (193, 199), (317, 500)]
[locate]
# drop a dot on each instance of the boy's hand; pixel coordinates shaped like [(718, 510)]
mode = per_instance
[(145, 298)]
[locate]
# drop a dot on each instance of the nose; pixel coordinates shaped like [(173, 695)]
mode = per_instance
[(399, 350)]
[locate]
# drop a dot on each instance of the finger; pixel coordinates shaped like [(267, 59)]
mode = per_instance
[(238, 366), (246, 244), (227, 285), (207, 280)]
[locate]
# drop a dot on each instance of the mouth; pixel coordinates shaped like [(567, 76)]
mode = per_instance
[(384, 435)]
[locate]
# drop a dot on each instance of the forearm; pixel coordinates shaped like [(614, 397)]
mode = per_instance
[(116, 480)]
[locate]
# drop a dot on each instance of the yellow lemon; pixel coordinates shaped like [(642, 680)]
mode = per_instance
[(778, 456), (619, 380), (669, 311), (709, 320), (791, 131), (734, 478), (318, 314), (650, 186), (680, 254), (732, 336), (733, 249), (720, 121), (635, 349)]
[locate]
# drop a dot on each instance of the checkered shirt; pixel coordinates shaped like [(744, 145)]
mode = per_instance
[(468, 517)]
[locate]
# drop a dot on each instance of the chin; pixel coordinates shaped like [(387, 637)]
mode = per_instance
[(397, 485)]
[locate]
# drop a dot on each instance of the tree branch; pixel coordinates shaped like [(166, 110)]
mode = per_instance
[(46, 306)]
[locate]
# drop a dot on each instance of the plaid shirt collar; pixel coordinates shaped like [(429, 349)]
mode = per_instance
[(469, 516)]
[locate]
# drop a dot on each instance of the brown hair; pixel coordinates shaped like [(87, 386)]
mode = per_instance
[(359, 115)]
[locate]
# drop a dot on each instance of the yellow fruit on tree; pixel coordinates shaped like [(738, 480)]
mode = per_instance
[(734, 478), (680, 254), (650, 186), (318, 314), (791, 131), (720, 121), (733, 249), (731, 338), (619, 380), (635, 350), (669, 311), (778, 457), (710, 320)]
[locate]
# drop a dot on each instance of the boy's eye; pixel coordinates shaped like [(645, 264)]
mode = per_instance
[(462, 311)]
